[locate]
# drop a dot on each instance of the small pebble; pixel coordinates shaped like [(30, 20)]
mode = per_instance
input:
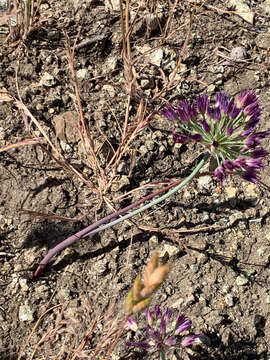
[(205, 182), (47, 80), (241, 280), (194, 268), (23, 284), (238, 53), (170, 249), (229, 300), (25, 313), (82, 74)]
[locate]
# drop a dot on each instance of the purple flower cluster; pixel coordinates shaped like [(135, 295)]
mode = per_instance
[(226, 129), (162, 331)]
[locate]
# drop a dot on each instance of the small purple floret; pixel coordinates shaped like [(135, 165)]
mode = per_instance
[(246, 98), (169, 112), (235, 112), (230, 108), (202, 103), (183, 326), (229, 130), (179, 138), (222, 102), (252, 123), (149, 316), (131, 324), (163, 324), (205, 125), (220, 174), (196, 137), (251, 175), (191, 339), (229, 165), (216, 114), (256, 163), (171, 341), (186, 111), (157, 312), (259, 153), (262, 134), (252, 142), (168, 314), (241, 162)]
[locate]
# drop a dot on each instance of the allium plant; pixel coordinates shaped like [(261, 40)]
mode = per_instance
[(163, 332), (227, 130)]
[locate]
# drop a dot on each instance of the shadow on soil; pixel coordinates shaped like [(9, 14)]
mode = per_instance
[(52, 233), (236, 350)]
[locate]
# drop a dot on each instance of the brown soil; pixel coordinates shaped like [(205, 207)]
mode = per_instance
[(219, 277)]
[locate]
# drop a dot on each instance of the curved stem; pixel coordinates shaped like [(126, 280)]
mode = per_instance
[(95, 228), (156, 201)]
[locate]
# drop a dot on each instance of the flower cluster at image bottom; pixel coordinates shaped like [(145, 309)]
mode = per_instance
[(162, 331), (227, 129)]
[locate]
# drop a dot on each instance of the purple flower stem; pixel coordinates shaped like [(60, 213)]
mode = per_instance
[(94, 228), (90, 230)]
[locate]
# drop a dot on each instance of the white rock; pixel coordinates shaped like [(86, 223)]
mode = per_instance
[(154, 57), (238, 53), (115, 357), (170, 249), (229, 300), (110, 64), (153, 240), (211, 88), (205, 182), (82, 74), (110, 90), (47, 80), (243, 10), (23, 284), (25, 313), (230, 191), (241, 280), (251, 190)]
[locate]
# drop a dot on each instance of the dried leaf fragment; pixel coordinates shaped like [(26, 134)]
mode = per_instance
[(4, 95)]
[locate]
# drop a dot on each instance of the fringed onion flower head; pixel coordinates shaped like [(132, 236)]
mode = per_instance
[(226, 129), (162, 331)]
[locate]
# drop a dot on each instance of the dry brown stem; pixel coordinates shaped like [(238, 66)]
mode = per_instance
[(34, 329), (85, 135)]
